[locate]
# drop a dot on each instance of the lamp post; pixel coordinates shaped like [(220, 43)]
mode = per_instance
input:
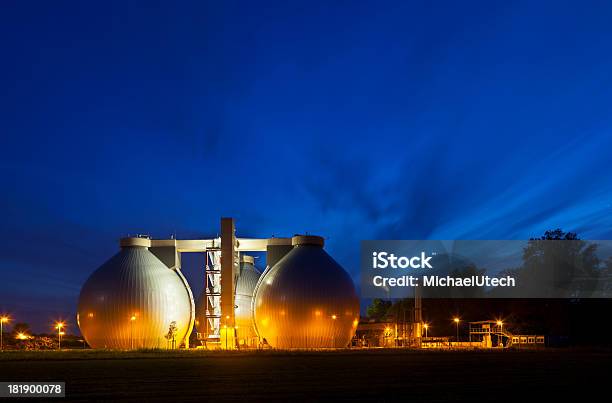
[(425, 326), (457, 320), (132, 319), (334, 317), (3, 320), (387, 334), (59, 326), (225, 327), (501, 331)]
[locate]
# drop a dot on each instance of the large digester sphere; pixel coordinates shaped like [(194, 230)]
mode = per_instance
[(135, 301), (306, 300), (245, 286)]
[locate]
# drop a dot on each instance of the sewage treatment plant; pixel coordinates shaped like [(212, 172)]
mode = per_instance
[(140, 299)]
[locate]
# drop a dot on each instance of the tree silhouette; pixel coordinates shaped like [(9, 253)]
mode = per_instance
[(378, 309), (557, 235), (171, 335), (556, 264)]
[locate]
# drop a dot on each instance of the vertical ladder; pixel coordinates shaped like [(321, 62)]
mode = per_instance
[(213, 295)]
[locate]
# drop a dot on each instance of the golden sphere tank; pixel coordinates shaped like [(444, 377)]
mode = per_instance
[(306, 300), (245, 285), (135, 301)]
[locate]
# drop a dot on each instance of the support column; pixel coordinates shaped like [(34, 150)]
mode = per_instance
[(228, 252)]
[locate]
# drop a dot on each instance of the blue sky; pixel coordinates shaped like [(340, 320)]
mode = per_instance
[(353, 120)]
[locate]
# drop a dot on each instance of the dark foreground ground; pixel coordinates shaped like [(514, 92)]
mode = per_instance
[(376, 375)]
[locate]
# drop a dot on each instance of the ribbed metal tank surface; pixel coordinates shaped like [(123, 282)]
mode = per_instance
[(131, 301), (306, 300)]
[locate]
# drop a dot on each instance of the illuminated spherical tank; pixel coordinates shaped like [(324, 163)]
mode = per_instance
[(245, 285), (246, 280), (133, 300), (306, 300)]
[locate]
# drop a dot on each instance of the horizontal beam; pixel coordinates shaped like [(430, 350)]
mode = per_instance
[(202, 245), (251, 245), (187, 245)]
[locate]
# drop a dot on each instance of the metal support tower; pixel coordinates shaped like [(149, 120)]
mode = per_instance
[(418, 316), (220, 272), (213, 294)]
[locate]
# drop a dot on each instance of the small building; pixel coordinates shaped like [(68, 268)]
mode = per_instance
[(528, 341), (491, 333), (384, 334)]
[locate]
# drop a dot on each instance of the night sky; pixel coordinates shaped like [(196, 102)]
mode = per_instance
[(379, 120)]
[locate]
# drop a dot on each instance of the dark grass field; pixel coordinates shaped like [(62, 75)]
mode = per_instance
[(374, 375)]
